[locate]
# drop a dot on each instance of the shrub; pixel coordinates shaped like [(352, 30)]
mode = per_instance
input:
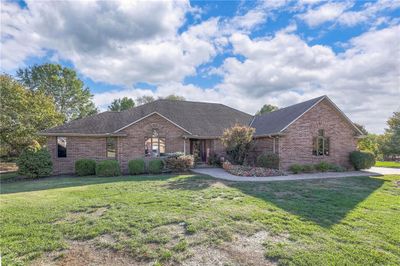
[(215, 160), (268, 160), (85, 167), (238, 141), (180, 163), (322, 166), (337, 168), (156, 166), (362, 160), (308, 168), (136, 167), (296, 168), (108, 168), (35, 162)]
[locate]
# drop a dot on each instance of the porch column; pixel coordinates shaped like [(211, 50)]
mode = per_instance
[(184, 146), (273, 146)]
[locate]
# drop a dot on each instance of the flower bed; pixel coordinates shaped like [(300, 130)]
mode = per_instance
[(241, 170)]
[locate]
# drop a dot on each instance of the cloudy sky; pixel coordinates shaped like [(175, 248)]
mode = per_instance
[(242, 54)]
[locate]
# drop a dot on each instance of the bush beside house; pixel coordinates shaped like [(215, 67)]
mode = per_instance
[(85, 167), (136, 167), (179, 163), (268, 160), (35, 162), (362, 160), (108, 168), (156, 166), (319, 167)]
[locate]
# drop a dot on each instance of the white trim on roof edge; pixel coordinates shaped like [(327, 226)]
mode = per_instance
[(334, 105), (140, 119)]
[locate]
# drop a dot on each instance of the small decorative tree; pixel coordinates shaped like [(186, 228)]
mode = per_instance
[(238, 141)]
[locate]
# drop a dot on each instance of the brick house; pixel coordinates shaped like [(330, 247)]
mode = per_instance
[(308, 132)]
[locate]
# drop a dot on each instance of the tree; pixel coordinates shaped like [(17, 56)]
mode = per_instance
[(71, 98), (390, 142), (174, 97), (144, 99), (22, 114), (361, 128), (370, 143), (267, 108), (238, 141), (121, 104)]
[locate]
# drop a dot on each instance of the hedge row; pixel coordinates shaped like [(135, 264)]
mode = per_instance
[(85, 167), (319, 167)]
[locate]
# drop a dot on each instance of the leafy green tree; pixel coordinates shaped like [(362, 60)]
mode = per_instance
[(361, 128), (390, 142), (121, 104), (71, 98), (174, 97), (238, 142), (22, 114), (144, 99), (370, 143), (267, 108)]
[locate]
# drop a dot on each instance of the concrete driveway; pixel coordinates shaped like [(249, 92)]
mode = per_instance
[(222, 174)]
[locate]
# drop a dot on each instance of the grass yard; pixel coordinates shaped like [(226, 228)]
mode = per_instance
[(196, 220), (388, 164)]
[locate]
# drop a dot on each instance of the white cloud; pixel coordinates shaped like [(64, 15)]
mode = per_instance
[(364, 80), (324, 13), (127, 42), (340, 13), (116, 42)]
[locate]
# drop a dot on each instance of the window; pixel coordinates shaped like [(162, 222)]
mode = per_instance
[(61, 147), (111, 147), (154, 147), (321, 144)]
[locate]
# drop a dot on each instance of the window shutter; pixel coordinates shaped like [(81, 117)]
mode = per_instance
[(315, 146), (327, 146)]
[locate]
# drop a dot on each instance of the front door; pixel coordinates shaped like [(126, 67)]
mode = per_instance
[(200, 148)]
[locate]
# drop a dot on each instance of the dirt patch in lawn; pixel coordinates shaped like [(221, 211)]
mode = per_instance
[(81, 253), (243, 250), (91, 213)]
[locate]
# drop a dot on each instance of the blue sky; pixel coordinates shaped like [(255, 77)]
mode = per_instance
[(240, 53)]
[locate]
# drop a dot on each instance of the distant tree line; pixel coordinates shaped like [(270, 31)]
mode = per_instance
[(126, 103), (385, 146)]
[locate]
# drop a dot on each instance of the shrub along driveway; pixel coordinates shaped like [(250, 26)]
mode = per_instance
[(196, 220)]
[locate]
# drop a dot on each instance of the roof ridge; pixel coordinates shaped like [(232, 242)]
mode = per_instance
[(285, 108)]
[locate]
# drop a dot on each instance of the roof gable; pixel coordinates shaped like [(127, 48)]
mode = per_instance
[(196, 118), (276, 122)]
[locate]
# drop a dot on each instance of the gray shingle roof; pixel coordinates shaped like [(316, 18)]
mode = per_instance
[(275, 122), (198, 118)]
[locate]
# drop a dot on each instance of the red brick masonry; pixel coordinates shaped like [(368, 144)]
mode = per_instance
[(294, 146)]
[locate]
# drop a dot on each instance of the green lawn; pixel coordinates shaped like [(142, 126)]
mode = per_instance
[(167, 220), (388, 164)]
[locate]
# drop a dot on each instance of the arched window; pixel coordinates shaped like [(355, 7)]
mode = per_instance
[(154, 146), (321, 144)]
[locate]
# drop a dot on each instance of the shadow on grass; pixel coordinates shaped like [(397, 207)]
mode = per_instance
[(324, 202), (28, 185)]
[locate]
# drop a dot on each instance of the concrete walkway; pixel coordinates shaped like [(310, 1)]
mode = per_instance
[(222, 174)]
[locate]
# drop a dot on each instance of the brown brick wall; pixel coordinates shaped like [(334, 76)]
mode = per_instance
[(296, 145), (263, 145), (77, 148), (128, 148), (132, 146)]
